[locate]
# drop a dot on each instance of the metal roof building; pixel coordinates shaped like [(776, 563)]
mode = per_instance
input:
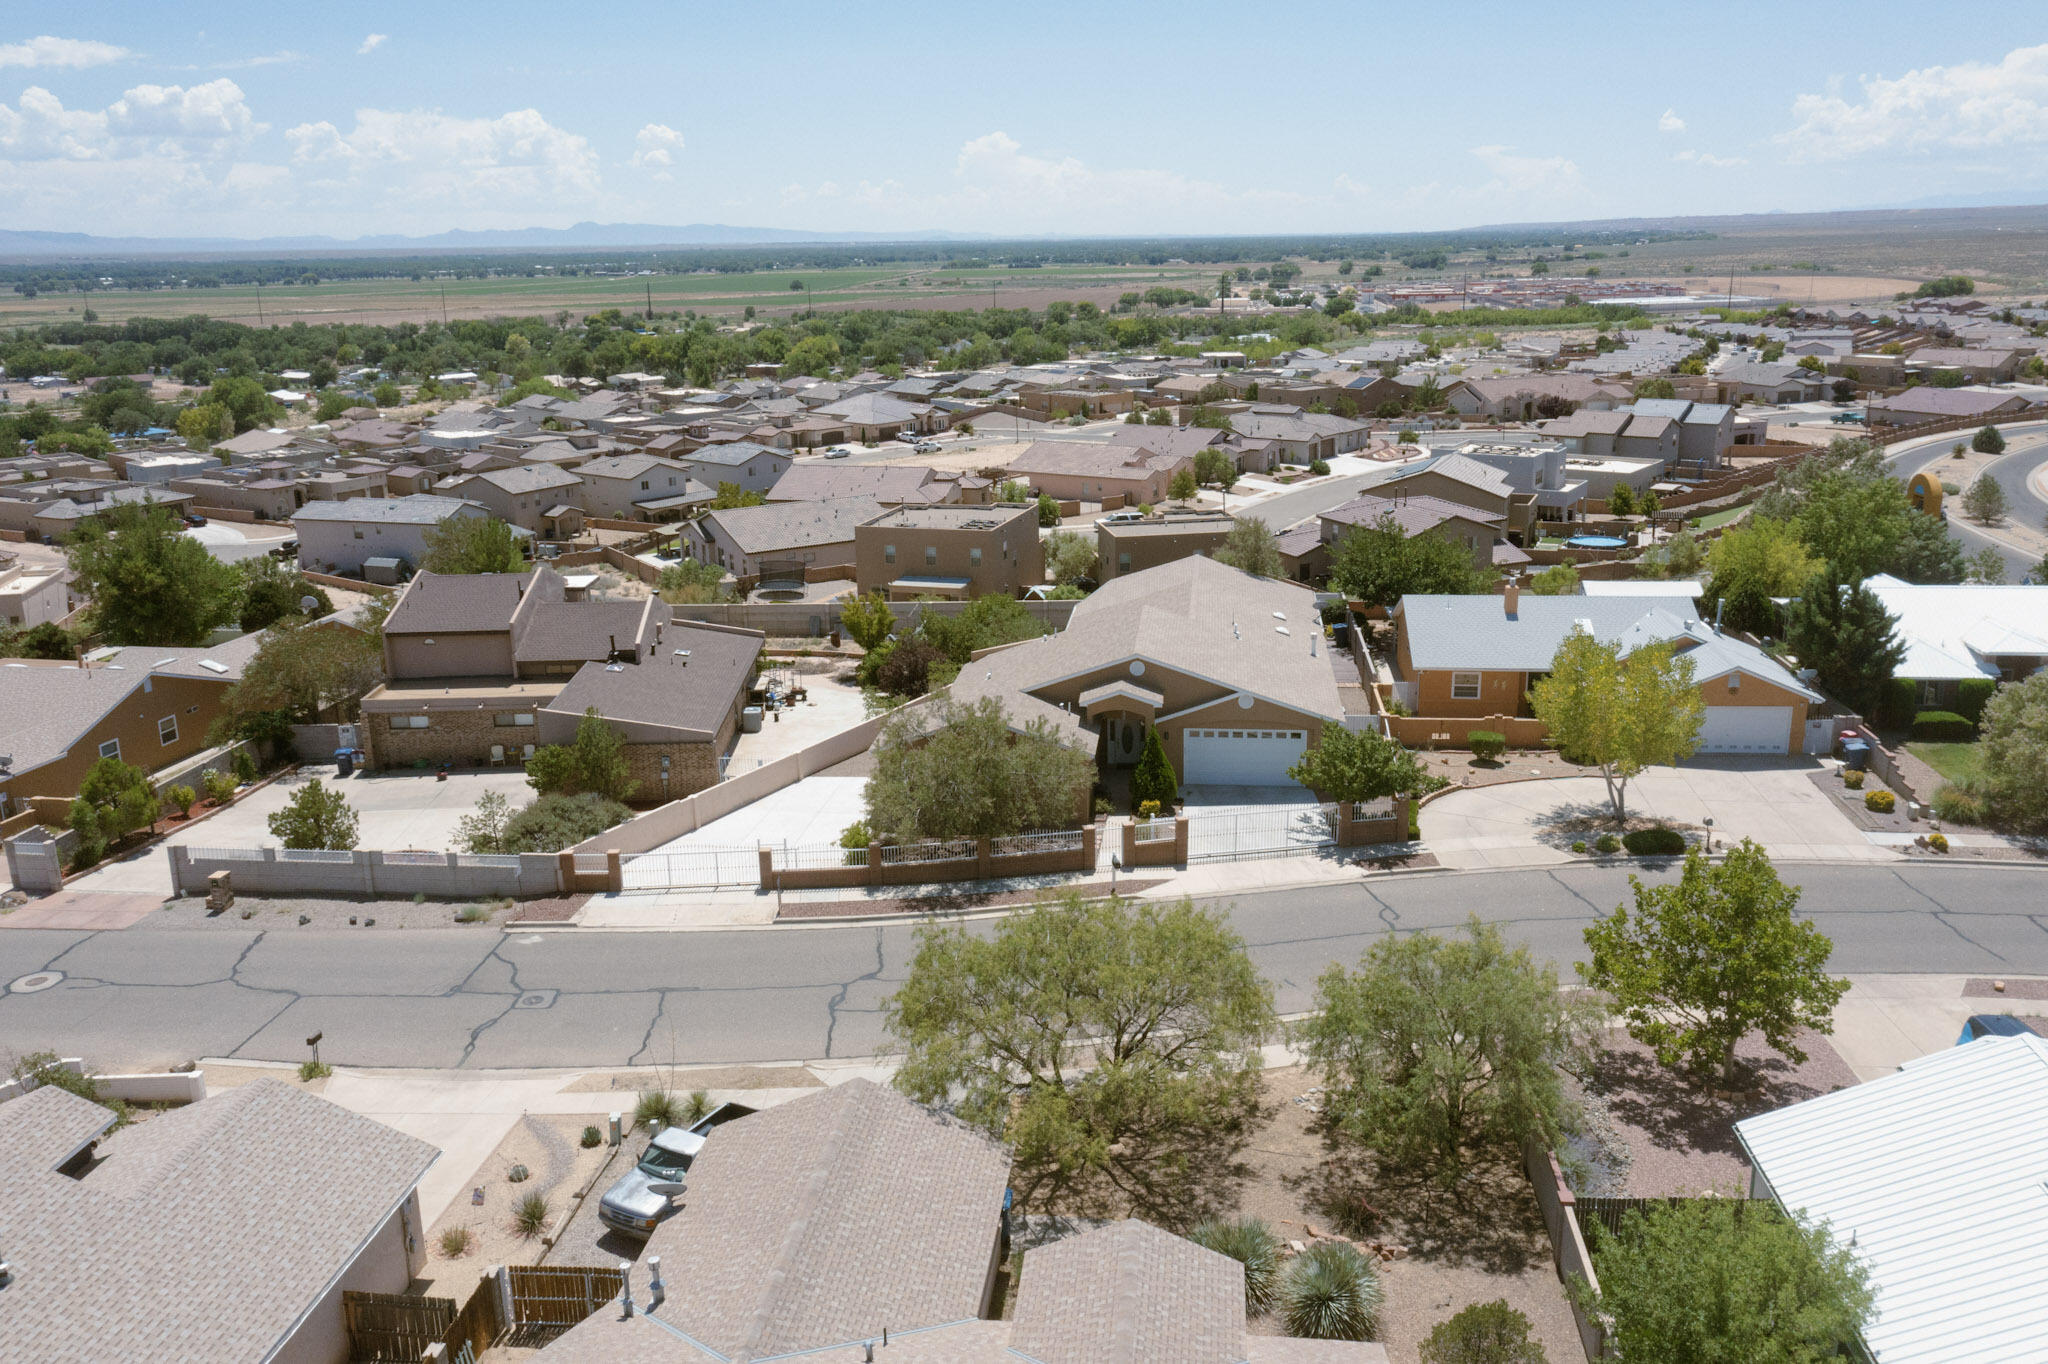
[(1936, 1175)]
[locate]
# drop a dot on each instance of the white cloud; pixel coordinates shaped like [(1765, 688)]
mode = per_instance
[(1971, 105), (655, 146), (165, 122), (998, 180), (1528, 175), (60, 52), (282, 57), (372, 43), (1709, 160), (1670, 122)]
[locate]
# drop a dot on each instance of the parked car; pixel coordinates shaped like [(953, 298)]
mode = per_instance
[(1993, 1025), (195, 519), (640, 1198), (1848, 417), (837, 452)]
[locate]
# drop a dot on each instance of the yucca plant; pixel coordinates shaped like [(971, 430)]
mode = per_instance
[(1252, 1244), (532, 1217), (1331, 1292), (657, 1107)]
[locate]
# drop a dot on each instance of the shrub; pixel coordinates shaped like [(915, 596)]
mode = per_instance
[(1578, 845), (591, 1137), (1414, 822), (1252, 1244), (554, 822), (245, 767), (218, 786), (457, 1242), (181, 799), (1880, 802), (1657, 842), (1331, 1292), (1971, 697), (1852, 778), (1896, 704), (1484, 1333), (310, 1071), (1607, 843), (1148, 809), (472, 914), (1319, 466), (1938, 841), (1943, 727), (1957, 805), (657, 1107), (40, 1068), (1486, 744), (697, 1107), (532, 1217), (1154, 779)]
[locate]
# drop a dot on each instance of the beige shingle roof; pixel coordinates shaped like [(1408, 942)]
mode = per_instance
[(1130, 1293)]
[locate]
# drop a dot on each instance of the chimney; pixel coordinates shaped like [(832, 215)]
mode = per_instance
[(626, 1287), (1511, 596)]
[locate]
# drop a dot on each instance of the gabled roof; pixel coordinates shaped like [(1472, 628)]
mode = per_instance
[(793, 525), (731, 454), (418, 509), (1475, 632), (1462, 468), (1129, 1293), (1413, 515), (1958, 631)]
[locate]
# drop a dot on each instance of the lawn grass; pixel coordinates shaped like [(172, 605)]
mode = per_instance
[(1962, 764), (1716, 520)]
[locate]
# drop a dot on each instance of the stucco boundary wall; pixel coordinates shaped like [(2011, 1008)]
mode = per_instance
[(666, 823), (1434, 731), (442, 876), (985, 865), (161, 1087), (785, 619)]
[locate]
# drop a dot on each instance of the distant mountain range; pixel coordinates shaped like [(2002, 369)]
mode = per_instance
[(16, 243)]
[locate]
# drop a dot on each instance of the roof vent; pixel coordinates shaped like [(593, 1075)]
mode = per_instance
[(1280, 630)]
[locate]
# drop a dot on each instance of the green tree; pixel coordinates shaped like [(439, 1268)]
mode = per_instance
[(1048, 510), (1153, 779), (1071, 556), (113, 801), (1484, 1333), (47, 640), (150, 584), (1656, 388), (1013, 490), (2013, 742), (1849, 509), (1381, 563), (1249, 548), (1215, 468), (271, 591), (317, 817), (1624, 713), (243, 398), (387, 394), (1114, 1044), (1926, 552), (1705, 961), (1354, 765), (203, 425), (304, 672), (1842, 631), (947, 769), (732, 495), (1752, 563), (1621, 499), (1182, 487), (1727, 1281), (691, 582), (482, 830), (867, 620), (473, 544), (594, 761), (1437, 1048), (1985, 501), (1559, 580), (1988, 441), (1986, 566), (983, 623)]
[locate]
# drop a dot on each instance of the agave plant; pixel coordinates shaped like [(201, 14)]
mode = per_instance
[(1331, 1292), (1252, 1244)]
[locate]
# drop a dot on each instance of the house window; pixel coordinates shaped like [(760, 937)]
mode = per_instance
[(408, 722), (111, 749), (167, 730), (931, 556), (1734, 681), (1930, 693), (1123, 563), (1464, 686), (643, 485), (510, 721), (888, 554), (974, 557), (359, 532)]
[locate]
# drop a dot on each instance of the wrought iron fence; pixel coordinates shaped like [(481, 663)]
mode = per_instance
[(225, 854), (1152, 830), (1022, 845), (1279, 831), (685, 867), (937, 850), (316, 855), (414, 858), (820, 857)]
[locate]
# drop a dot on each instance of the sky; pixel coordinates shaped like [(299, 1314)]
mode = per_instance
[(244, 120)]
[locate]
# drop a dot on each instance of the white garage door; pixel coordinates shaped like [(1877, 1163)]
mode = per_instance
[(1241, 757), (1746, 729)]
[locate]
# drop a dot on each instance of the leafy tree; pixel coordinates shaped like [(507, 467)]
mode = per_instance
[(303, 671), (271, 591), (387, 394), (1071, 556), (1249, 548), (1182, 487), (1484, 1333), (473, 544), (1849, 509), (204, 425), (1648, 505), (1015, 490), (690, 582), (947, 769), (244, 400), (1621, 500), (911, 667), (1706, 961), (1681, 556), (1728, 1281), (867, 620), (1153, 779), (1985, 501), (554, 822), (1114, 1044), (1048, 510), (594, 760), (1215, 468), (47, 640), (1559, 580), (482, 830), (1656, 388), (1842, 631), (1436, 1048), (2014, 743), (150, 584), (1988, 441), (1753, 563), (1987, 565), (1926, 552), (113, 801), (1381, 563), (732, 495), (317, 817), (1354, 765), (1623, 713), (983, 623)]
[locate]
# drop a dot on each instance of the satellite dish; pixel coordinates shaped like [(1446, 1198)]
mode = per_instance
[(308, 604)]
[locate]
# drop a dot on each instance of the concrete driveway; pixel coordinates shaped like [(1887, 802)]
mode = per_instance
[(1770, 800), (812, 813), (395, 811)]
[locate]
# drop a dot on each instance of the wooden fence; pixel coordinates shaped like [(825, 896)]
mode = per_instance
[(547, 1300), (1567, 1243), (479, 1324), (394, 1326)]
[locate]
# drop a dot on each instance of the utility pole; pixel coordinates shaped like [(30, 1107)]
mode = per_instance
[(259, 302), (444, 303), (650, 303)]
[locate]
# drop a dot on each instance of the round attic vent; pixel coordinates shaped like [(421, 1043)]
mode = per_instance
[(1137, 667)]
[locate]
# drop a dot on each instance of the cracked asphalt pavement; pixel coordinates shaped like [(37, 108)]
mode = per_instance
[(139, 999)]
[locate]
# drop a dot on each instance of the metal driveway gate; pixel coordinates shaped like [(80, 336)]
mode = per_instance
[(1252, 831), (690, 867)]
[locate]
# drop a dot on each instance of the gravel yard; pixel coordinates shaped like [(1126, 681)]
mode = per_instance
[(292, 911), (558, 1167)]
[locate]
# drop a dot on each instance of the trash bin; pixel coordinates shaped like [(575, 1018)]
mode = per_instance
[(1340, 634), (344, 762), (1856, 755)]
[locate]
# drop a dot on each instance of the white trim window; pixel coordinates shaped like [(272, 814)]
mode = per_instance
[(408, 722), (1464, 686), (167, 730), (111, 749)]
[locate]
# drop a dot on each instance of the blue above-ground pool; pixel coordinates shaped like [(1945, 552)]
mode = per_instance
[(1596, 542)]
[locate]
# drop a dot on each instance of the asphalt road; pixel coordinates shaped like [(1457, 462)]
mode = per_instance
[(475, 999), (2026, 449)]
